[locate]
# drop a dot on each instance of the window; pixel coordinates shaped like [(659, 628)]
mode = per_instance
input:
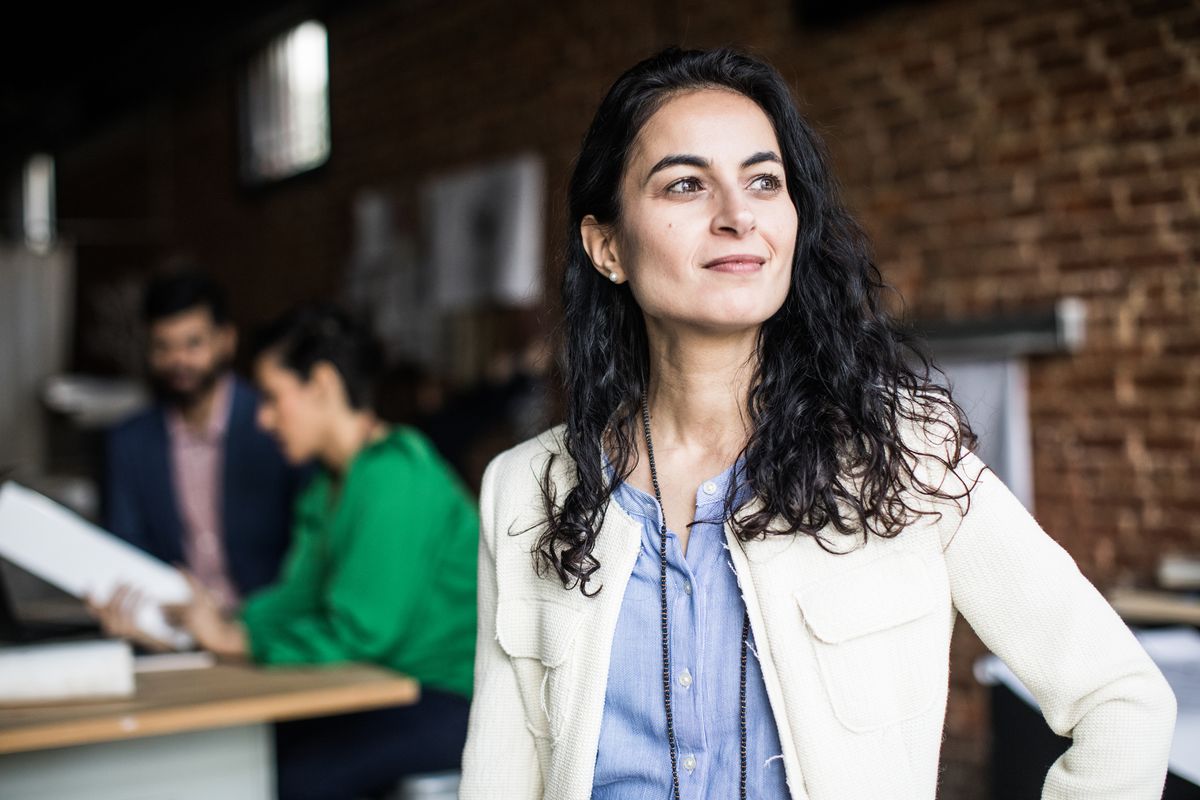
[(37, 203), (995, 396), (985, 364), (285, 106)]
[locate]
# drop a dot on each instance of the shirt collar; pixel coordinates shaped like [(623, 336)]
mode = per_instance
[(218, 419), (635, 501)]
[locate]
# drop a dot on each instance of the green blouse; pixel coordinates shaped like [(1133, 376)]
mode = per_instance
[(381, 569)]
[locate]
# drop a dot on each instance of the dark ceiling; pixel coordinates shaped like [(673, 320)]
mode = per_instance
[(67, 68)]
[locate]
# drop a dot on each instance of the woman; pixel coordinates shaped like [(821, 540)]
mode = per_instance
[(381, 568), (736, 568)]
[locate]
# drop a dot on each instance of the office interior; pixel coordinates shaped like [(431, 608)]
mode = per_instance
[(1029, 175)]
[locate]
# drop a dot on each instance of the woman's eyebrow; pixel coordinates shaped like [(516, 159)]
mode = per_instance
[(688, 160), (675, 160), (762, 157)]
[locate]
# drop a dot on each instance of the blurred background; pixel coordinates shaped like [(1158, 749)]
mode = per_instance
[(1029, 173)]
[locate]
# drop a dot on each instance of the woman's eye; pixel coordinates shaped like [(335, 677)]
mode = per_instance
[(767, 183), (684, 186)]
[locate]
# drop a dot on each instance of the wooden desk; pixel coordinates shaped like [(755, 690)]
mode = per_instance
[(187, 734)]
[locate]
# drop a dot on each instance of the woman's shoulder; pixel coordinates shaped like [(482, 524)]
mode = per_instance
[(521, 469), (535, 450), (512, 498), (401, 450), (313, 498)]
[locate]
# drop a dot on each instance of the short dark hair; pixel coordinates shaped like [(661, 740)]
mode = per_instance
[(306, 336), (168, 295)]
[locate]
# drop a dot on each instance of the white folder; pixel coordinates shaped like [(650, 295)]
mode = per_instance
[(62, 548)]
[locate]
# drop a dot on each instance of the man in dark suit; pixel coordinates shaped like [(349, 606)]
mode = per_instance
[(193, 480)]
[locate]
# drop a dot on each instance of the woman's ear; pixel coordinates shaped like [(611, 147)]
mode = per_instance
[(599, 242), (327, 381)]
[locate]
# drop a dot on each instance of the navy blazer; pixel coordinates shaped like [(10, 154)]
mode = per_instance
[(257, 492)]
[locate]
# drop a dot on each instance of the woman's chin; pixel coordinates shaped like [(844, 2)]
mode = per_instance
[(731, 319), (297, 455)]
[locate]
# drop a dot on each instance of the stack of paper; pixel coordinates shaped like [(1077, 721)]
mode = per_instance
[(68, 671)]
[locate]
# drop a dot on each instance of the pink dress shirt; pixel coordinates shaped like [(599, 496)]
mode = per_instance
[(197, 467)]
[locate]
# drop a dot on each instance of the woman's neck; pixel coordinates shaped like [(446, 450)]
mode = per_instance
[(698, 390), (347, 436)]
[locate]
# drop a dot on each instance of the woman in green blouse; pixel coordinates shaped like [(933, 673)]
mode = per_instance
[(381, 568)]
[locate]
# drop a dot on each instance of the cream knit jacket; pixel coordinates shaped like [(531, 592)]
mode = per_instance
[(854, 647)]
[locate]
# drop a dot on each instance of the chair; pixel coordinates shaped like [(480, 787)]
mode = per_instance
[(429, 786)]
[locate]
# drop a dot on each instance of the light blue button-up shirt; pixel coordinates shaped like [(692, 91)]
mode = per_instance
[(705, 610)]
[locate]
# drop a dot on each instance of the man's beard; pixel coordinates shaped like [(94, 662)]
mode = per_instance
[(184, 400)]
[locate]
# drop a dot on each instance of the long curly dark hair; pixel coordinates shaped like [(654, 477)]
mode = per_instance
[(836, 379)]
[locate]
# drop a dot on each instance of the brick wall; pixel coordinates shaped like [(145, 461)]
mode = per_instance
[(1001, 155)]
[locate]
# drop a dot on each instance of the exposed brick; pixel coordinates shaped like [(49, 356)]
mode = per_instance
[(1133, 39), (1159, 67)]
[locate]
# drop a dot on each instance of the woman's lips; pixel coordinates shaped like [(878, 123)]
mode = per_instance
[(736, 263)]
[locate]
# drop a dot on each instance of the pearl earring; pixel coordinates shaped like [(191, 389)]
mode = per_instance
[(612, 276)]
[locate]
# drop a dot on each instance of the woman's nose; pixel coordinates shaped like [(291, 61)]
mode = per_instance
[(734, 216)]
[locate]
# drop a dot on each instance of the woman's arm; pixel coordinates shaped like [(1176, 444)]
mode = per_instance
[(295, 594), (352, 593), (1027, 600), (500, 759), (202, 617)]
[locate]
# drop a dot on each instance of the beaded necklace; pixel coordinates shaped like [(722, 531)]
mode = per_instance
[(666, 645)]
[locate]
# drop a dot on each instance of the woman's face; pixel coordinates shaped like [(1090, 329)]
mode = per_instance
[(290, 409), (707, 228)]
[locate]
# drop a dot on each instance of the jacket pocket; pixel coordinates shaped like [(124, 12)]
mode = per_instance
[(877, 642), (538, 635)]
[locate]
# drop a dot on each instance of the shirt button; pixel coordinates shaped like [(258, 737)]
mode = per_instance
[(687, 587), (685, 679), (689, 763), (710, 487)]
